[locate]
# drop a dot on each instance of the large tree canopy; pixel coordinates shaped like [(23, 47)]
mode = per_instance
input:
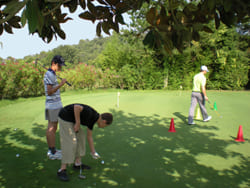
[(172, 23)]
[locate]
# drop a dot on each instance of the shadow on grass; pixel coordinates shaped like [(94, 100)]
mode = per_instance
[(138, 152)]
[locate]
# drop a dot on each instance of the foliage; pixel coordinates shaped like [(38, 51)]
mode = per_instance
[(82, 76), (223, 52), (111, 79), (88, 50), (85, 51), (172, 23), (229, 58), (20, 80), (122, 61), (135, 64)]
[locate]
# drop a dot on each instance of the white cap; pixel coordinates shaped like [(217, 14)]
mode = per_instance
[(204, 68)]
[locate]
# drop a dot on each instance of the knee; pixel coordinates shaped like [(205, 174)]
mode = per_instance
[(52, 127)]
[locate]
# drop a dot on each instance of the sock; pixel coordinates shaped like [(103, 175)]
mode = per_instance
[(60, 170), (77, 164), (53, 150)]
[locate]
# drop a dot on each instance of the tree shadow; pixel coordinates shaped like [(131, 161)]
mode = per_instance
[(138, 152), (191, 157)]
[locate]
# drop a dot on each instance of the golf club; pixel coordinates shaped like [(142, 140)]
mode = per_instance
[(80, 175), (213, 109), (36, 63)]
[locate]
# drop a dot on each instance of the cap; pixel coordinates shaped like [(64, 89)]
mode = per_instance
[(58, 59), (204, 68)]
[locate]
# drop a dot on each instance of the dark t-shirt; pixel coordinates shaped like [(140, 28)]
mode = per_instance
[(88, 116)]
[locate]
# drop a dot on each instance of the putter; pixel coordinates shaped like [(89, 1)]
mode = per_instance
[(214, 110), (36, 63), (80, 175)]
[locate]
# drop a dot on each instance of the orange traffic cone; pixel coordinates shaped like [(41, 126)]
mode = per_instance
[(171, 128), (240, 135)]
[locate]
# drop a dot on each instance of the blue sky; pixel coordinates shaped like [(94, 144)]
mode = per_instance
[(21, 43)]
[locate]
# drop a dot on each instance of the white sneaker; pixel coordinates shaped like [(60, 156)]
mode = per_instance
[(54, 156), (207, 119), (193, 123)]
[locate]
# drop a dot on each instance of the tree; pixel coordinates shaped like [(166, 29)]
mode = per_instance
[(172, 23), (134, 63), (89, 50)]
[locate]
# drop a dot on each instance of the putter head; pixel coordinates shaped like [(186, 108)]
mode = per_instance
[(82, 176)]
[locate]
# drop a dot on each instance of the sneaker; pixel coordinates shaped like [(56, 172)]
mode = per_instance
[(83, 166), (54, 156), (207, 119), (62, 175), (57, 150), (193, 123)]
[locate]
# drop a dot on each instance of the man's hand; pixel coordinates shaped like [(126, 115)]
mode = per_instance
[(76, 127), (95, 155), (206, 98), (63, 82)]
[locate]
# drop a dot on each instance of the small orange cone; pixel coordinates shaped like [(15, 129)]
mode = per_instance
[(171, 128), (240, 135)]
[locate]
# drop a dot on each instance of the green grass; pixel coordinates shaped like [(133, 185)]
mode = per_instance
[(137, 148)]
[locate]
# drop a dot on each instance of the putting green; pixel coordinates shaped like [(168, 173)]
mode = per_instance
[(137, 148)]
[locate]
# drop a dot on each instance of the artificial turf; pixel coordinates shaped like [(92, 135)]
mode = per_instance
[(137, 148)]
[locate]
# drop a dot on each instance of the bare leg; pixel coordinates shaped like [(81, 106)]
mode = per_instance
[(51, 134)]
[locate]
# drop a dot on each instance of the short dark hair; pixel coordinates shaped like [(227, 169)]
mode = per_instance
[(108, 117)]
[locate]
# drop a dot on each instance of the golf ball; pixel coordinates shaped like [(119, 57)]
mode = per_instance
[(102, 162), (17, 155)]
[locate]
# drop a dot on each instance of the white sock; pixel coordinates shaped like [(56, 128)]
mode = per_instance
[(78, 164)]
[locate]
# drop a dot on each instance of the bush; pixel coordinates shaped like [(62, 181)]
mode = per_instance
[(20, 80), (110, 79), (82, 76)]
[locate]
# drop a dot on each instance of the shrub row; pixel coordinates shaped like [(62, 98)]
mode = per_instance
[(88, 76), (20, 80), (26, 80)]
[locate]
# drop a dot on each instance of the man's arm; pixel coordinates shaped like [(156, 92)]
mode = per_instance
[(77, 111), (90, 141), (203, 89), (51, 90)]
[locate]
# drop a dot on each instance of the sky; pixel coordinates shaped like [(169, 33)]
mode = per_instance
[(21, 43)]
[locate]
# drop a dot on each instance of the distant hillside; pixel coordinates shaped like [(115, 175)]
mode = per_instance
[(85, 51)]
